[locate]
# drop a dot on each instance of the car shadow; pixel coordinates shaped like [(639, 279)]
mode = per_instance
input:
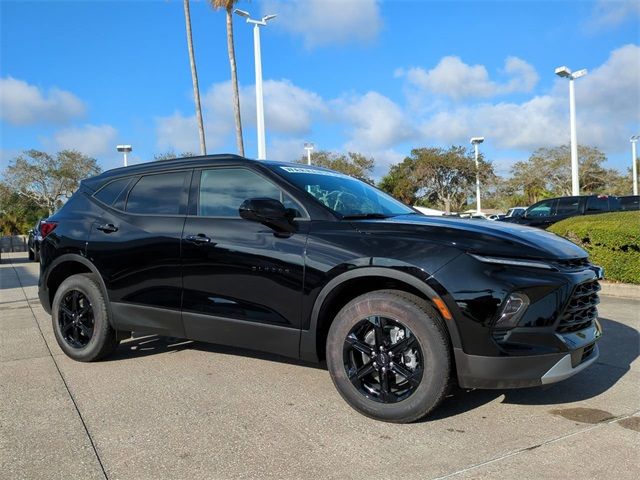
[(144, 345), (619, 347)]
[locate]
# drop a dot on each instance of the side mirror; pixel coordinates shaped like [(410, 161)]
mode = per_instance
[(269, 212)]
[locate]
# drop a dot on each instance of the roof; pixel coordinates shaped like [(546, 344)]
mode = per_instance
[(94, 183)]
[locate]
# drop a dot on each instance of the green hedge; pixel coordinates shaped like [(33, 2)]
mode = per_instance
[(612, 240)]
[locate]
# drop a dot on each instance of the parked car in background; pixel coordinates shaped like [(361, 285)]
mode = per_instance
[(309, 263), (552, 210), (33, 242), (515, 212)]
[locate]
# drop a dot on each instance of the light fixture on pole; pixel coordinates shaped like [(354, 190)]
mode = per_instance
[(634, 165), (262, 148), (565, 72), (308, 147), (124, 149), (475, 141)]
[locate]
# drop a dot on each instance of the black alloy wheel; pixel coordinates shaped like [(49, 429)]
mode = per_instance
[(76, 319), (383, 359)]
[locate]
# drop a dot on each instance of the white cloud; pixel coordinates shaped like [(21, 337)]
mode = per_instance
[(374, 121), (25, 104), (607, 112), (289, 110), (327, 22), (454, 78), (92, 140), (610, 13)]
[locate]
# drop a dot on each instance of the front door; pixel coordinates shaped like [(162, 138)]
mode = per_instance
[(242, 281)]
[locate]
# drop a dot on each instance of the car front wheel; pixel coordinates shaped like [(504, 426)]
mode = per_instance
[(389, 357)]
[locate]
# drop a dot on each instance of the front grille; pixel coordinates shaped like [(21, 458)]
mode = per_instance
[(581, 309)]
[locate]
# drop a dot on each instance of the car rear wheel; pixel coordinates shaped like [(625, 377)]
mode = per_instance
[(389, 357), (81, 321)]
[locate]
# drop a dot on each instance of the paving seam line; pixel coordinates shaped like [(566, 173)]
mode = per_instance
[(73, 400), (542, 444)]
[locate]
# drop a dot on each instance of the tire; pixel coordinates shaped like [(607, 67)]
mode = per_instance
[(31, 255), (74, 340), (36, 255), (391, 311)]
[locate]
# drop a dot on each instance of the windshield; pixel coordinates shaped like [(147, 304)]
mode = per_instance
[(346, 196)]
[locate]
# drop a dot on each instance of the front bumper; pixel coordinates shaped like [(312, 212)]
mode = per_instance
[(476, 371)]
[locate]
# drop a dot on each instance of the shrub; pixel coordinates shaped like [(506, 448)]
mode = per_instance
[(612, 240)]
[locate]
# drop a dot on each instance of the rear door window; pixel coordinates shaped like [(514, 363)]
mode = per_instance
[(568, 206), (597, 204), (160, 194)]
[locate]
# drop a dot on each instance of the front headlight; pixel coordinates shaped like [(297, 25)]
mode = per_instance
[(513, 310), (514, 262)]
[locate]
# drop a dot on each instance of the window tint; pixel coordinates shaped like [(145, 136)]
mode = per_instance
[(223, 190), (568, 206), (157, 194), (630, 203), (543, 209), (597, 204), (111, 191)]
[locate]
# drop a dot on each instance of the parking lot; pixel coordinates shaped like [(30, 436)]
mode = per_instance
[(169, 408)]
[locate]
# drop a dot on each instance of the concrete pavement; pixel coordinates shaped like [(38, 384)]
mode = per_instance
[(168, 408)]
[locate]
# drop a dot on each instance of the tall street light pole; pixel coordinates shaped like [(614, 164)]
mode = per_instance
[(308, 147), (565, 72), (124, 149), (634, 164), (262, 148), (475, 141)]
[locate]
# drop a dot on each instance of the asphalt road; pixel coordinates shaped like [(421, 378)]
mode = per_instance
[(166, 408)]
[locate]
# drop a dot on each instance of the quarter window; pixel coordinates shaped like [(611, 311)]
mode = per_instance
[(111, 191), (158, 194), (222, 191)]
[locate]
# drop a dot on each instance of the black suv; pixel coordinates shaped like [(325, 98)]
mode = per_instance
[(552, 210), (312, 264)]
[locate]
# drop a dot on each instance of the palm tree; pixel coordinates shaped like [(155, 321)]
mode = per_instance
[(194, 78), (228, 6)]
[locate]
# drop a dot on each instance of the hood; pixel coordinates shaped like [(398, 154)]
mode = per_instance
[(483, 237)]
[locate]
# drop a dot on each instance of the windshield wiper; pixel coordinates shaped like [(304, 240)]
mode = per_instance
[(358, 216)]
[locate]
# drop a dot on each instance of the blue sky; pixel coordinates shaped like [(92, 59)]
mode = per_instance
[(378, 77)]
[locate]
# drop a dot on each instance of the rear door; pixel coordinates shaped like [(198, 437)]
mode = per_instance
[(242, 281), (136, 247)]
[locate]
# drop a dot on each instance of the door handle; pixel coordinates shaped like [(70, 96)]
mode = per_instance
[(107, 228), (200, 238)]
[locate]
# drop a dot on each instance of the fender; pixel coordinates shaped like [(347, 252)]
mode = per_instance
[(308, 337), (78, 258)]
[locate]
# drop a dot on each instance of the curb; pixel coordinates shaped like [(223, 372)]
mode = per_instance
[(622, 290)]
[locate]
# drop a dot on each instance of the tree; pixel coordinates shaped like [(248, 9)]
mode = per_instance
[(353, 164), (48, 180), (228, 5), (170, 155), (437, 176), (547, 173), (194, 78)]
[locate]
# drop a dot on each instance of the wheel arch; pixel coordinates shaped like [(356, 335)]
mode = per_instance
[(67, 265), (349, 285)]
